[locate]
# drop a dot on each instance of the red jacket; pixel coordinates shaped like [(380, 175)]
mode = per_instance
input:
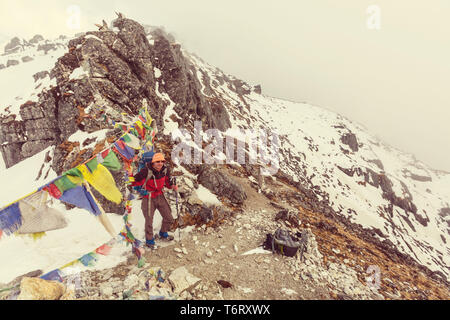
[(156, 180)]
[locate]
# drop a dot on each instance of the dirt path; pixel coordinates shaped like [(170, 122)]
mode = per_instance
[(216, 254)]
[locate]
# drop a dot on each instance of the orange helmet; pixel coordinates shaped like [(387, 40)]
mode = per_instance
[(158, 157)]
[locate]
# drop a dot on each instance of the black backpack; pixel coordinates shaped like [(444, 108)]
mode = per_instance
[(286, 243)]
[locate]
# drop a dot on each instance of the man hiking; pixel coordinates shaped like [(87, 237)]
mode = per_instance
[(153, 178)]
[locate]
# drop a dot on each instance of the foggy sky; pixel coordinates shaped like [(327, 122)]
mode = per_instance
[(394, 81)]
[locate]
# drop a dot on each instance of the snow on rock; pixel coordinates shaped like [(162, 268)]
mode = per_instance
[(78, 73), (256, 251), (18, 80), (81, 136), (288, 291), (182, 280), (21, 179), (207, 196), (157, 72)]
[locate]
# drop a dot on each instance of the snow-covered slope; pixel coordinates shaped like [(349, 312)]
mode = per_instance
[(18, 82), (367, 181)]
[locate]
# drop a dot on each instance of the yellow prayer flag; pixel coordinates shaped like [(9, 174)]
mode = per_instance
[(139, 124), (69, 264), (102, 180), (148, 117), (74, 179)]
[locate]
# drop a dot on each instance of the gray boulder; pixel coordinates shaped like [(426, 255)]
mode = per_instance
[(36, 39), (221, 184), (13, 46), (40, 75), (27, 59), (12, 63), (46, 47), (350, 140)]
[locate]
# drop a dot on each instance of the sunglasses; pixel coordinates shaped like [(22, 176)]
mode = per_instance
[(159, 162)]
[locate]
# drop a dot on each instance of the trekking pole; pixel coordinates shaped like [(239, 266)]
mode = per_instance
[(176, 204), (178, 217)]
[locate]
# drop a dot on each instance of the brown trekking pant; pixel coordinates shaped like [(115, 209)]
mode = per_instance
[(148, 209)]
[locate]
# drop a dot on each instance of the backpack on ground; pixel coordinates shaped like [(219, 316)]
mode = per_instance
[(284, 242)]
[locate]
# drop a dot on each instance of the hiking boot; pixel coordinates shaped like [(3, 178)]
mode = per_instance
[(165, 236), (150, 243)]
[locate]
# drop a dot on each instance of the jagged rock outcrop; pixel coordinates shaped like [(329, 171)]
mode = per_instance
[(12, 62), (183, 87), (36, 39), (13, 46), (40, 75), (350, 140), (382, 181), (120, 70), (46, 47), (257, 89), (221, 184), (27, 59)]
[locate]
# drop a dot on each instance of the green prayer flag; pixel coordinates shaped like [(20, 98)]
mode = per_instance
[(92, 165), (141, 262), (111, 162), (126, 138), (64, 184), (74, 172)]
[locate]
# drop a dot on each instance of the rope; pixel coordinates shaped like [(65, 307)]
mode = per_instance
[(7, 289)]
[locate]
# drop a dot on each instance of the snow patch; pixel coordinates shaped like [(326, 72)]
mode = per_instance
[(257, 251), (78, 73), (206, 196), (20, 179), (157, 72)]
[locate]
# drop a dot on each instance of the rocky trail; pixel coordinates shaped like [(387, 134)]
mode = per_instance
[(228, 262)]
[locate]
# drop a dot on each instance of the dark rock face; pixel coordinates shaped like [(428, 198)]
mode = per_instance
[(12, 63), (2, 66), (378, 163), (420, 178), (36, 39), (444, 212), (382, 181), (37, 130), (183, 87), (350, 140), (27, 59), (46, 47), (13, 46), (40, 75), (257, 89), (289, 216), (221, 184)]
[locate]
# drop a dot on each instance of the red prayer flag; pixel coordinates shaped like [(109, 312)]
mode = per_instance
[(104, 250), (105, 153), (53, 190)]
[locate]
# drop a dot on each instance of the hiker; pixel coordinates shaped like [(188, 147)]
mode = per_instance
[(153, 177)]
